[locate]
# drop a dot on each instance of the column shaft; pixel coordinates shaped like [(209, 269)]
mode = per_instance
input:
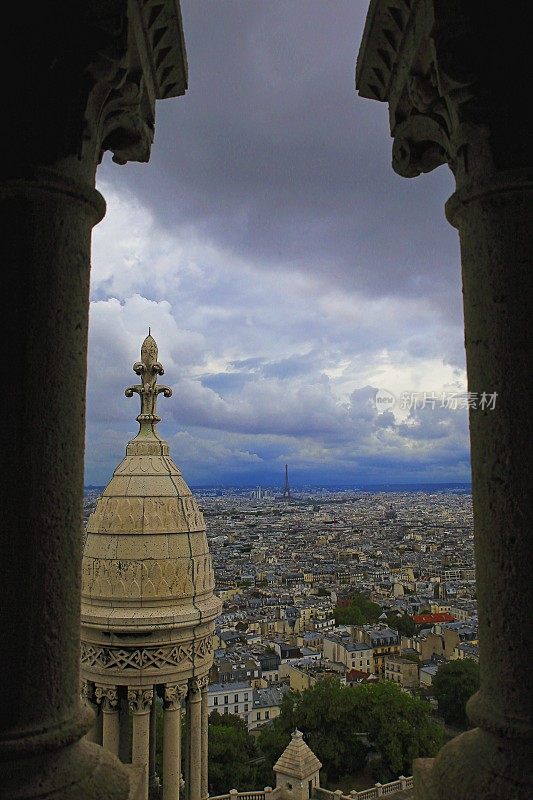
[(493, 760), (187, 753), (496, 254), (111, 730), (171, 753), (47, 221), (124, 750), (95, 732), (152, 778), (204, 744), (141, 745), (194, 724), (87, 691)]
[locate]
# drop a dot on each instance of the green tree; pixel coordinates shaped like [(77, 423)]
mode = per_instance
[(399, 727), (271, 742), (360, 611), (231, 749), (403, 624), (454, 683), (341, 724), (323, 715)]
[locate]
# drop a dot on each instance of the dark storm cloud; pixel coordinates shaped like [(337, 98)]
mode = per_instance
[(286, 271), (293, 366), (224, 383), (272, 156), (247, 364)]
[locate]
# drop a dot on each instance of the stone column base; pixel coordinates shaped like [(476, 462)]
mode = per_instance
[(476, 765), (83, 771)]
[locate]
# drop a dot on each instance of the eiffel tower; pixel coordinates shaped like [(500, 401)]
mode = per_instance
[(286, 488)]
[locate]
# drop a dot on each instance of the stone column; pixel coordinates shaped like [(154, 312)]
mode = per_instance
[(140, 701), (124, 751), (88, 84), (451, 103), (194, 738), (88, 698), (152, 777), (494, 218), (95, 733), (173, 695), (204, 747), (107, 698), (47, 218), (187, 753)]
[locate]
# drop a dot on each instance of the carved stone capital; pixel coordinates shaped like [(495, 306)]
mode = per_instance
[(140, 700), (449, 84), (198, 683), (106, 697), (173, 695), (91, 78)]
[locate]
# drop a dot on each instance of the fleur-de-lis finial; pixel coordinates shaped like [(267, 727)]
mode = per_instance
[(148, 368)]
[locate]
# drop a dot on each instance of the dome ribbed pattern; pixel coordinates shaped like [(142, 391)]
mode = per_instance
[(148, 606)]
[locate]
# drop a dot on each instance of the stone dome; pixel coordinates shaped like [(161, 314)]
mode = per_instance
[(148, 606)]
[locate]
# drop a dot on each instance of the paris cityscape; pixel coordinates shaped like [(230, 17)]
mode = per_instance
[(267, 505), (289, 561)]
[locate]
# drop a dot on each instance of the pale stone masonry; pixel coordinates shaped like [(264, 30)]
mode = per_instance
[(452, 74), (88, 78), (87, 81), (297, 769), (148, 607)]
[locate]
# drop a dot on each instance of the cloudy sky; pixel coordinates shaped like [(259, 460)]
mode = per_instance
[(286, 272)]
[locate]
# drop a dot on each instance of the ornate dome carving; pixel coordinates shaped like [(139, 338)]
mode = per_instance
[(147, 579)]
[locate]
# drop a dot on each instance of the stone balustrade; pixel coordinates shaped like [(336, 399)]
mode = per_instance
[(264, 794), (379, 790)]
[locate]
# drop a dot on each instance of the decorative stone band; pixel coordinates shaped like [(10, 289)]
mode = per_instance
[(134, 579), (504, 186), (163, 512), (107, 697), (174, 694), (197, 684), (145, 657), (42, 181), (140, 700)]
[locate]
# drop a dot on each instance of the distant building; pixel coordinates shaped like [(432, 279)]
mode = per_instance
[(427, 644), (427, 673), (431, 619), (266, 705), (231, 698), (401, 671), (358, 676), (305, 674), (467, 650), (354, 655), (383, 640)]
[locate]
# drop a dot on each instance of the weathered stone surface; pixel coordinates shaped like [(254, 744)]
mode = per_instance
[(148, 606), (87, 84), (452, 101), (297, 768)]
